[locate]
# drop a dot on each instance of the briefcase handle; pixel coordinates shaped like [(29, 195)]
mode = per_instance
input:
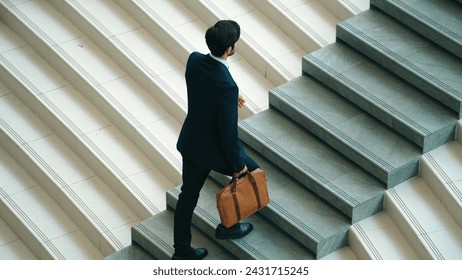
[(255, 189)]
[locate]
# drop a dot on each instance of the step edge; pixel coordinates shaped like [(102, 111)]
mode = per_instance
[(341, 141)]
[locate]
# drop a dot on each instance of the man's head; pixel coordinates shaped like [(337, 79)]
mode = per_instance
[(223, 35)]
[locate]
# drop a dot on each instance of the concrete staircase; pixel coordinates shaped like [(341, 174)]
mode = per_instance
[(92, 98), (100, 97), (335, 130)]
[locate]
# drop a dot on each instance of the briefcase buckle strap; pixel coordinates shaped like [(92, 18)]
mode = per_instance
[(255, 189)]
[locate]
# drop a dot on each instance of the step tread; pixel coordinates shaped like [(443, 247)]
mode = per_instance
[(317, 225), (387, 97), (109, 84), (89, 128), (442, 169), (11, 246), (112, 26), (264, 45), (252, 246), (377, 34), (310, 24), (348, 128), (346, 9), (427, 225), (185, 34), (379, 238), (345, 253), (313, 163), (32, 209), (131, 252), (66, 175), (155, 235), (438, 20)]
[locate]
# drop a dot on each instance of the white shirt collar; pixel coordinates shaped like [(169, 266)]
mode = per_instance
[(225, 62)]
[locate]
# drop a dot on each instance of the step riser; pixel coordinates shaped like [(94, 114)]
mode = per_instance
[(173, 104), (437, 85), (423, 220), (156, 236), (253, 246), (93, 94), (291, 25), (72, 139), (55, 190), (342, 9), (151, 243), (33, 243), (395, 119), (176, 44), (265, 65), (354, 151), (393, 208), (306, 230), (444, 188), (208, 227), (292, 170), (369, 240), (418, 22), (181, 50), (311, 180)]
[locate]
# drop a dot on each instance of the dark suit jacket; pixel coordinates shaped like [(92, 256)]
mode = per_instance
[(209, 136)]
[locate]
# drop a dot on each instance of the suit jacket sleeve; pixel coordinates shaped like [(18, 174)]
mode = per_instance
[(227, 116)]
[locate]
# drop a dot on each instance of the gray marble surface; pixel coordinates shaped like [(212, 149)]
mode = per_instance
[(407, 54), (266, 241), (313, 163), (347, 128), (155, 235), (132, 252), (388, 98), (440, 21), (301, 213)]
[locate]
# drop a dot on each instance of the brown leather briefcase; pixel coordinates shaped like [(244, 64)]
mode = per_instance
[(242, 197)]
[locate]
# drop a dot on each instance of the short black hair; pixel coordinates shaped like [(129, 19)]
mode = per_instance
[(222, 35)]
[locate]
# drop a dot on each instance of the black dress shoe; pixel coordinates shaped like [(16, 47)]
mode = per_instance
[(193, 254), (239, 230)]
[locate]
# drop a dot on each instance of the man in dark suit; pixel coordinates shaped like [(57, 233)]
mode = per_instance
[(209, 137)]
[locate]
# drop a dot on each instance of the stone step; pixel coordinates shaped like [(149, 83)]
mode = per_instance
[(406, 53), (181, 32), (379, 238), (271, 52), (344, 253), (439, 21), (82, 195), (155, 235), (132, 109), (309, 24), (424, 222), (317, 225), (345, 9), (11, 246), (265, 242), (131, 252), (315, 164), (133, 49), (442, 170), (136, 180), (38, 222), (388, 98), (348, 129)]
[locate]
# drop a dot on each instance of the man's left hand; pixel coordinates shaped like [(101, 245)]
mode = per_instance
[(240, 101)]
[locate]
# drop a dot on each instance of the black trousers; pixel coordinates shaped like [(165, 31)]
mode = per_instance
[(193, 180)]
